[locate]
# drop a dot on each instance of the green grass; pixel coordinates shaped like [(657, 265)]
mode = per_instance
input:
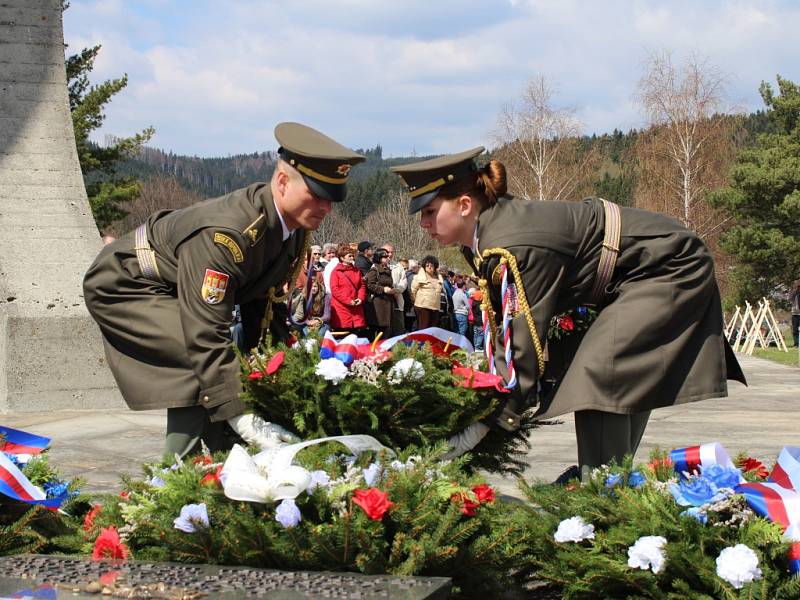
[(790, 358)]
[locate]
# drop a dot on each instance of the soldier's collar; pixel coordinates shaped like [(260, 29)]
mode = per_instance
[(285, 231)]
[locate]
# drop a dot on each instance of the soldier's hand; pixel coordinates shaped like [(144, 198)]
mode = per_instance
[(466, 440)]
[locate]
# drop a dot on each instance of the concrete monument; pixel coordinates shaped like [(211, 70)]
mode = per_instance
[(51, 355)]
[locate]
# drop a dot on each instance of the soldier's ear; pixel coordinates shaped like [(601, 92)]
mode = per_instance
[(281, 180), (465, 205)]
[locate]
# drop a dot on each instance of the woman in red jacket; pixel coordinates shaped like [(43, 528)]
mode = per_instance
[(348, 293)]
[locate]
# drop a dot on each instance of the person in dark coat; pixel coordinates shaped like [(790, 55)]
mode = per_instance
[(163, 295), (348, 294), (380, 294), (657, 340), (363, 261)]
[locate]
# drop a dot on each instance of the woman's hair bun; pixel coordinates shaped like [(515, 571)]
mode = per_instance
[(492, 178)]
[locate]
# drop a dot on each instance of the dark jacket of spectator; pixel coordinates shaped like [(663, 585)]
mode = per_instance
[(378, 278)]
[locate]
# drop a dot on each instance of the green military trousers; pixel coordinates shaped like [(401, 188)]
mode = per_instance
[(604, 436), (187, 426)]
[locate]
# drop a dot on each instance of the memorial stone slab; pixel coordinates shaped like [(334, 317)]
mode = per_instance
[(82, 578)]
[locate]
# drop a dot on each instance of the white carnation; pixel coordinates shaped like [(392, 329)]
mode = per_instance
[(648, 553), (332, 369), (738, 565), (406, 368), (310, 345), (574, 529)]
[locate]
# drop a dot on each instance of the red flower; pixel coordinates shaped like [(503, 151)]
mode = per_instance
[(108, 545), (468, 506), (212, 478), (566, 323), (374, 502), (124, 495), (109, 578), (470, 378), (275, 362), (88, 520), (255, 375), (203, 459), (751, 464), (484, 493)]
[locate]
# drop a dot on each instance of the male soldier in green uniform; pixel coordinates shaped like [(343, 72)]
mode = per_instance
[(164, 295), (657, 340)]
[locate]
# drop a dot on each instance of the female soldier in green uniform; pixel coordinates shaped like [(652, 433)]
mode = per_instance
[(657, 339)]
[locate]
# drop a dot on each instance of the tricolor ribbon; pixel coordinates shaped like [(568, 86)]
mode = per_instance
[(508, 296), (777, 499), (689, 460), (16, 486), (15, 441), (437, 337), (347, 350)]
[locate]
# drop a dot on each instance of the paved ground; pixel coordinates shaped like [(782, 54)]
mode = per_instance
[(101, 446)]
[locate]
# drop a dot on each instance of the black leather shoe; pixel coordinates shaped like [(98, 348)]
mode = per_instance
[(571, 473)]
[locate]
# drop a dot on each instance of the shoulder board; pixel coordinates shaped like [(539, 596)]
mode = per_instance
[(254, 231)]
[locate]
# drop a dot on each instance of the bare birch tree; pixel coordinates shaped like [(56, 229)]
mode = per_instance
[(336, 228), (392, 223), (687, 150), (538, 143)]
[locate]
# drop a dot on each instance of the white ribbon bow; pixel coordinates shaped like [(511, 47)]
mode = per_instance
[(243, 476)]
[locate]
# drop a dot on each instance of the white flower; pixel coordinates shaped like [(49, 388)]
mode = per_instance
[(310, 345), (648, 553), (406, 368), (574, 529), (318, 479), (738, 565), (332, 369)]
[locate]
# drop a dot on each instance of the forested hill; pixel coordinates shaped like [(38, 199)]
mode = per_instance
[(614, 176)]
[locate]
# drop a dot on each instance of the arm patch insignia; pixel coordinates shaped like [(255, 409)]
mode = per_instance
[(230, 244)]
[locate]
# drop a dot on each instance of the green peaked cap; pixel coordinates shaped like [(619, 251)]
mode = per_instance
[(323, 162), (427, 178)]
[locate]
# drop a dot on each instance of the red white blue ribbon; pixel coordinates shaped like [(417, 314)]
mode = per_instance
[(16, 486), (508, 296), (777, 499), (347, 350), (435, 336), (15, 441), (688, 460)]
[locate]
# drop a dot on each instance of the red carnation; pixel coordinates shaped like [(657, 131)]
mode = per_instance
[(212, 478), (124, 495), (108, 545), (275, 362), (566, 323), (468, 506), (374, 502), (255, 375), (203, 459), (484, 493), (656, 463), (88, 520), (751, 464)]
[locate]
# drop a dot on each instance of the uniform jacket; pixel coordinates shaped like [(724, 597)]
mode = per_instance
[(426, 291), (346, 285), (168, 341), (658, 338), (377, 278)]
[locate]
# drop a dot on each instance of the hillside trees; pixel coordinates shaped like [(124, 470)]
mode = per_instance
[(540, 145), (107, 192), (764, 198)]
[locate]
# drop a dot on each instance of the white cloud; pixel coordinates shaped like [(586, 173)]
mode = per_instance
[(214, 77)]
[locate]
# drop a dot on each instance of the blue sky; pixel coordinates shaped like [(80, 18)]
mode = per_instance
[(416, 76)]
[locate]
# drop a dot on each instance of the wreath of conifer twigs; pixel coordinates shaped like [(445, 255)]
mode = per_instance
[(409, 412)]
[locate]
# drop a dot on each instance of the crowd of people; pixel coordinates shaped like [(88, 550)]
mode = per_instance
[(365, 289)]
